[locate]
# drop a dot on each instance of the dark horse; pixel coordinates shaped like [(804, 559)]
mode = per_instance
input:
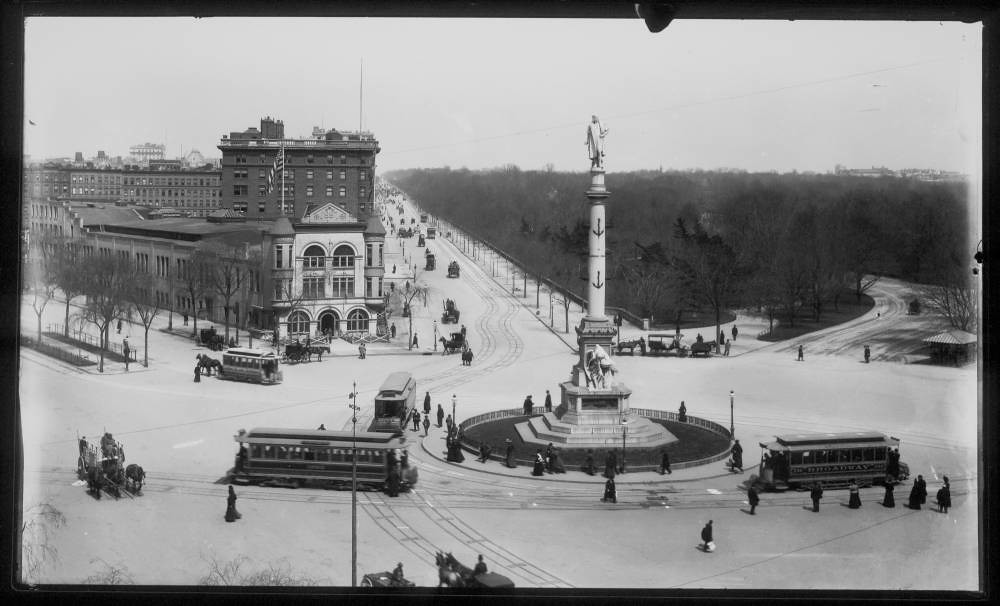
[(207, 364), (134, 477), (447, 575)]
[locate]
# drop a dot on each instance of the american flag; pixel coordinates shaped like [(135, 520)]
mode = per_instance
[(279, 165)]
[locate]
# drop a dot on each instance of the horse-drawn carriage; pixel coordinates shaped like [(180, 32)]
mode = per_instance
[(453, 270), (455, 344), (451, 313), (297, 351), (702, 348), (385, 579), (212, 339), (631, 344), (103, 468), (452, 573), (430, 261), (666, 344)]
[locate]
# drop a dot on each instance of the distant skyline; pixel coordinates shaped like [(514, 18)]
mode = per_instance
[(752, 95)]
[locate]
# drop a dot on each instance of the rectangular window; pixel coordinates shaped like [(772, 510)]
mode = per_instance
[(309, 191), (313, 288), (260, 173), (309, 159), (309, 173), (343, 192), (362, 174), (343, 287), (370, 255), (261, 191), (343, 174), (278, 256), (329, 175), (329, 191), (239, 190)]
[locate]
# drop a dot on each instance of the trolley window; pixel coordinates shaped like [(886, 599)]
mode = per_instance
[(255, 451), (308, 454), (856, 455), (269, 452), (820, 456), (295, 454), (879, 454), (283, 452)]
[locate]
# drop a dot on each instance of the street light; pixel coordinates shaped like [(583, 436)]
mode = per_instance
[(454, 417), (624, 434), (435, 335), (732, 426), (354, 484)]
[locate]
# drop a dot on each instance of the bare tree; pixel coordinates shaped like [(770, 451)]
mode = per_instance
[(145, 305), (955, 303), (42, 276), (69, 273), (108, 285), (109, 575), (192, 276), (415, 292), (226, 268)]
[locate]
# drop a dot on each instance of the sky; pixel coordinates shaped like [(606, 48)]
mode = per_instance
[(483, 93)]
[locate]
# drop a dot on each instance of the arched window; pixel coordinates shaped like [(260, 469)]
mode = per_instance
[(357, 320), (298, 323), (313, 257), (343, 256)]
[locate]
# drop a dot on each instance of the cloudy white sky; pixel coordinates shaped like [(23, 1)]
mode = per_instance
[(757, 95)]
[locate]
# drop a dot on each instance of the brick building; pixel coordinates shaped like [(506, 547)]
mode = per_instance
[(194, 192), (335, 167)]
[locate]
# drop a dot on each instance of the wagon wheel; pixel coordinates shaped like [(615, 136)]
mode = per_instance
[(367, 581)]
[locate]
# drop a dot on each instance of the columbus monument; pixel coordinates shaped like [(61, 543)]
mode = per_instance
[(594, 408)]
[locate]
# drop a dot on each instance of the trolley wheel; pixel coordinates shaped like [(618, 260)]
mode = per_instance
[(367, 582)]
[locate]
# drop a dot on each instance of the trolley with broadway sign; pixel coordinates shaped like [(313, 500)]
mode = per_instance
[(394, 403), (799, 460), (254, 365), (296, 457)]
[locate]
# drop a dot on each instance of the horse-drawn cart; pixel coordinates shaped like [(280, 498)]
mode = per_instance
[(452, 573), (103, 468), (212, 339), (454, 344), (453, 270), (631, 344), (451, 313)]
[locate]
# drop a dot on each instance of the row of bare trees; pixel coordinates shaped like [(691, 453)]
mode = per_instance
[(118, 287)]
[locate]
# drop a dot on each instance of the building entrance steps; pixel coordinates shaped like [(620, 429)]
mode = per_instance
[(545, 428)]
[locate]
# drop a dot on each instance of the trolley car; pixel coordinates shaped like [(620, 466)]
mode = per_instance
[(799, 460), (394, 403), (296, 457), (254, 365)]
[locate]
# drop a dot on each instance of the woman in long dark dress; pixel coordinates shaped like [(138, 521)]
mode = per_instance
[(610, 492), (539, 468), (557, 465), (231, 514), (588, 465), (918, 493), (888, 500), (854, 502)]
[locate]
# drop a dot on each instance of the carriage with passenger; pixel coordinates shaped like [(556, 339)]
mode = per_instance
[(454, 344), (452, 573), (211, 339), (666, 344), (453, 269)]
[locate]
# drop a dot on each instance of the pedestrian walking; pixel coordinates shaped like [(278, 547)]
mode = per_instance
[(185, 319), (548, 457), (816, 494), (463, 332), (753, 498), (231, 514), (427, 423), (735, 332), (706, 538), (888, 500), (427, 403), (197, 373), (539, 466), (610, 491), (126, 351), (610, 464), (362, 350), (944, 496), (509, 454), (726, 353), (801, 358), (737, 453), (119, 326), (854, 500), (588, 464), (665, 462), (918, 494), (416, 420), (528, 406), (682, 413), (868, 354), (415, 341), (548, 401), (440, 414), (450, 424)]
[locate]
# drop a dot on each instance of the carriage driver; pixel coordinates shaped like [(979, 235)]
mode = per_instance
[(397, 573)]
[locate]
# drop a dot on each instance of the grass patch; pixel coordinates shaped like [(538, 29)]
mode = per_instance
[(693, 443), (847, 310), (109, 356), (55, 352)]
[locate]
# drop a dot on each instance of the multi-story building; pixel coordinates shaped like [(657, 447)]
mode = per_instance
[(90, 184), (337, 167), (49, 180), (144, 152), (194, 192)]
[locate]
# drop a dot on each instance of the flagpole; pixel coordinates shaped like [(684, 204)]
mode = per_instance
[(282, 152)]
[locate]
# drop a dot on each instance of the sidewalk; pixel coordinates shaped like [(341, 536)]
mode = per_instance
[(434, 445)]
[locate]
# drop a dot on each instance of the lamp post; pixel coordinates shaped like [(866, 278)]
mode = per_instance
[(624, 435), (354, 484), (732, 426), (454, 402), (435, 335)]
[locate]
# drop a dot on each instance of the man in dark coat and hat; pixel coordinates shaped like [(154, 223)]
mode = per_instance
[(528, 405), (509, 454), (548, 401), (753, 499), (665, 462), (888, 500), (427, 403), (706, 536), (944, 496), (440, 414), (610, 492), (816, 494)]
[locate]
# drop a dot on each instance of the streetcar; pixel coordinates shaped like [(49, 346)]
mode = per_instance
[(394, 403), (254, 365), (799, 460), (319, 457)]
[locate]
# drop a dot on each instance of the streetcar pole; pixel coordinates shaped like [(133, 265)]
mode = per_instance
[(354, 486)]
